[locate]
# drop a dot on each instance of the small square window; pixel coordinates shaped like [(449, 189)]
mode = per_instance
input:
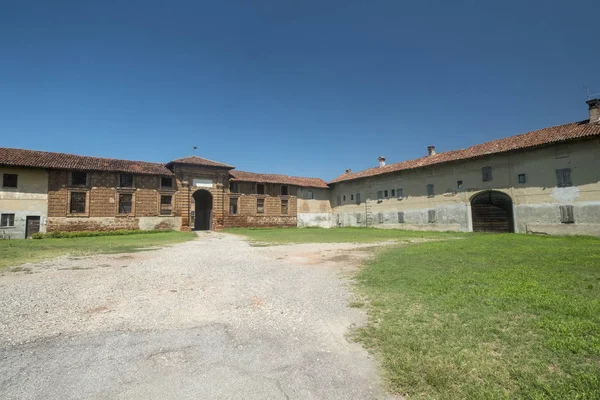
[(126, 180), (486, 174), (166, 182), (125, 203), (77, 202), (166, 204), (79, 178), (430, 190), (260, 188), (522, 178), (233, 206), (7, 220), (260, 206), (284, 206), (9, 181), (459, 185), (284, 190)]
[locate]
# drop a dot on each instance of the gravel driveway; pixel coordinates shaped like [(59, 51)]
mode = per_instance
[(214, 318)]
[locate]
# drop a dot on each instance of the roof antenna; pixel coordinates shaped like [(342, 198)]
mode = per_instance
[(194, 151)]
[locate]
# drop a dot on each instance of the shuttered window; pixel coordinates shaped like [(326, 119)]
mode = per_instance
[(401, 217), (431, 216), (430, 190), (486, 174), (400, 193), (567, 215), (379, 194), (563, 177), (357, 198)]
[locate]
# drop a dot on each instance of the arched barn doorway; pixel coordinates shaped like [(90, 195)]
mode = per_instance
[(492, 211), (203, 210)]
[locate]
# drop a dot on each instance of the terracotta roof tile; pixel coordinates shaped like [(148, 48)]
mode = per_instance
[(195, 160), (540, 137), (276, 178), (44, 159)]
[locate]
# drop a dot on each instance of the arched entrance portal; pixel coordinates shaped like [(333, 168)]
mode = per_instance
[(492, 211), (203, 210)]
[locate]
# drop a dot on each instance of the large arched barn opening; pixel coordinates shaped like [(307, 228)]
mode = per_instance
[(492, 211), (203, 210)]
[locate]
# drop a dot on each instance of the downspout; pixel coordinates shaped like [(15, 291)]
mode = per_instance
[(223, 201)]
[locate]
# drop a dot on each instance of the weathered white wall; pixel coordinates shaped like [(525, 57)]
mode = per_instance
[(315, 212)]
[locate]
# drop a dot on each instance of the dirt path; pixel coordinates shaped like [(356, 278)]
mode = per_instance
[(214, 318)]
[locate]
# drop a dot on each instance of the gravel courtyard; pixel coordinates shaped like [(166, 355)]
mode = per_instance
[(214, 318)]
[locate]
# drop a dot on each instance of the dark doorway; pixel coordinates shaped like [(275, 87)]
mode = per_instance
[(32, 226), (492, 212), (203, 210)]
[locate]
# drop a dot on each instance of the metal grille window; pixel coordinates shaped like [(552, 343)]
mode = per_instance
[(284, 206), (284, 190), (260, 188), (233, 206), (486, 174), (563, 177), (77, 202), (431, 216), (78, 178), (7, 220), (126, 180), (166, 204), (125, 203), (260, 206), (166, 182), (400, 217), (567, 215), (430, 190), (522, 178), (9, 181)]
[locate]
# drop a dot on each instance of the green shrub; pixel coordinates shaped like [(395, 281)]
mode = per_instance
[(64, 235)]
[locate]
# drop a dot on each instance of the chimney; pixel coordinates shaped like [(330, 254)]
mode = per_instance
[(381, 160), (594, 105), (430, 150), (348, 171)]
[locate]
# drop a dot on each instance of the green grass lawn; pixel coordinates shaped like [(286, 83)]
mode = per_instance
[(15, 252), (337, 235), (486, 317)]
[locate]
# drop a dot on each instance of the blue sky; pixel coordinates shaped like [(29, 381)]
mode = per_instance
[(296, 87)]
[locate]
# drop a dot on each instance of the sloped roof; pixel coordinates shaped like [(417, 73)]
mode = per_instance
[(276, 178), (554, 134), (195, 160), (49, 160)]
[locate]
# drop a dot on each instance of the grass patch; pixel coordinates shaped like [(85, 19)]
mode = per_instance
[(15, 252), (490, 316), (337, 235)]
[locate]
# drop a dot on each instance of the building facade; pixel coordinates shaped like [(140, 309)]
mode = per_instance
[(545, 181)]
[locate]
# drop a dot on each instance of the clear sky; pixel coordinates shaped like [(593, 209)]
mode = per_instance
[(296, 87)]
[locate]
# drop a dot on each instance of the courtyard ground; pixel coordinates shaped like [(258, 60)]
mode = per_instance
[(213, 318), (484, 316)]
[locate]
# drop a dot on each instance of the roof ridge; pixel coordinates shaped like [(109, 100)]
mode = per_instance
[(78, 155), (286, 175)]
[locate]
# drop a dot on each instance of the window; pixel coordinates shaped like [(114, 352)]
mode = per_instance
[(522, 178), (486, 174), (379, 194), (393, 192), (234, 187), (284, 206), (431, 216), (339, 200), (233, 206), (351, 197), (166, 182), (385, 194), (78, 178), (126, 180), (125, 203), (459, 185), (7, 220), (566, 215), (260, 188), (400, 217), (563, 177), (309, 195), (77, 202), (357, 198), (400, 193), (430, 190), (9, 181), (380, 218), (166, 202), (260, 206), (359, 218), (284, 190)]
